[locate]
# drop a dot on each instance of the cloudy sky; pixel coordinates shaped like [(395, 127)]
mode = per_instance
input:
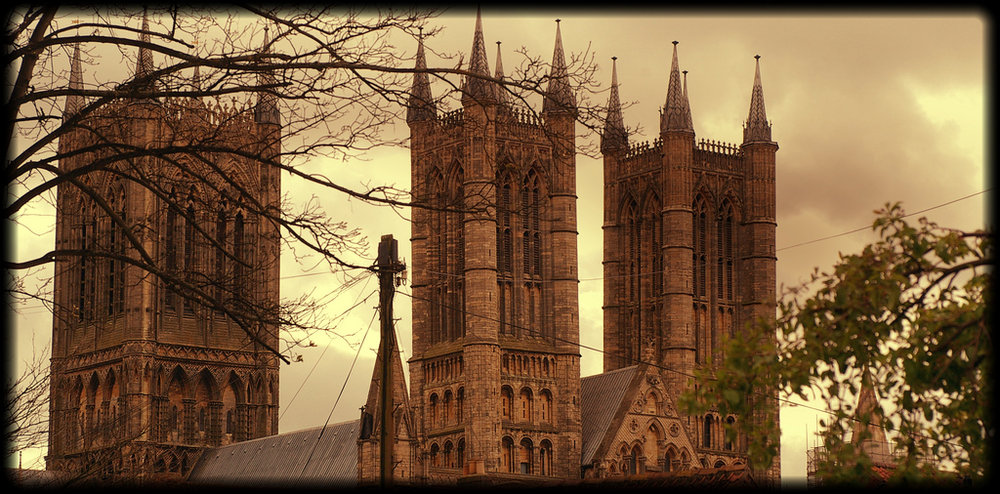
[(867, 107)]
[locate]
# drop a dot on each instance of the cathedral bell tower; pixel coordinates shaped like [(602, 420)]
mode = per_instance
[(689, 257), (495, 376), (145, 373)]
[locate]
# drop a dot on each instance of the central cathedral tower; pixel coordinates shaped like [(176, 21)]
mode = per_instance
[(495, 372)]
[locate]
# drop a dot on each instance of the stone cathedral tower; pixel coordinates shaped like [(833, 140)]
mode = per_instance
[(495, 374), (689, 253), (142, 376)]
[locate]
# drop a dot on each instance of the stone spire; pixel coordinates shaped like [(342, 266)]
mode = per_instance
[(502, 96), (687, 102), (614, 139), (867, 432), (476, 89), (559, 96), (74, 100), (421, 103), (267, 104), (757, 128), (196, 78), (866, 412), (144, 65), (675, 114)]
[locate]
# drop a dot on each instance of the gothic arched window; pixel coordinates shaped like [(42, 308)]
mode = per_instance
[(707, 432), (115, 298), (432, 407), (172, 238), (531, 217), (545, 458), (631, 322), (506, 403), (447, 463), (524, 405), (730, 423), (239, 255), (526, 456), (545, 406), (446, 403), (700, 237), (505, 253), (221, 237), (189, 253), (438, 247), (453, 257), (84, 263), (507, 450)]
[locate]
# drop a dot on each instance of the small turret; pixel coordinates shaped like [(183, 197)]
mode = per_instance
[(144, 64), (74, 100), (687, 102), (757, 128), (676, 112), (614, 140), (475, 89), (267, 103), (559, 96), (503, 96), (421, 105)]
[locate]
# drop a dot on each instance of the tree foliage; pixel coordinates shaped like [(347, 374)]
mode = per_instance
[(910, 313)]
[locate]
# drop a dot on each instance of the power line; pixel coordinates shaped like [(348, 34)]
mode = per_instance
[(318, 359), (342, 388), (868, 227)]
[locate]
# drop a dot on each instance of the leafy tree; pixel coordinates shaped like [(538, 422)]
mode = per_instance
[(909, 312)]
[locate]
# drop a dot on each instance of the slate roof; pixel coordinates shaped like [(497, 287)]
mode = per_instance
[(299, 458), (600, 398)]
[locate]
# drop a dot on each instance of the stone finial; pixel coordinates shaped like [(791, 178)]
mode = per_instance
[(501, 92), (757, 127), (74, 100), (614, 139), (476, 89), (559, 97), (266, 110), (675, 114), (420, 105)]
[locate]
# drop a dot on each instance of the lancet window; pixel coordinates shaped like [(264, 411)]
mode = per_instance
[(447, 246), (633, 262), (505, 254)]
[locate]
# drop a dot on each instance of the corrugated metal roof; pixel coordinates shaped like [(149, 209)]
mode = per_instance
[(299, 458), (600, 397)]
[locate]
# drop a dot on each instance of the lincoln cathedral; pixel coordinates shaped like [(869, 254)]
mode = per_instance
[(495, 395)]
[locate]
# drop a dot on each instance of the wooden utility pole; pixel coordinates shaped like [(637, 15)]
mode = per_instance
[(386, 266)]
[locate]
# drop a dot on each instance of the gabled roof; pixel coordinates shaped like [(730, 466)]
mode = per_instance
[(601, 397), (327, 456)]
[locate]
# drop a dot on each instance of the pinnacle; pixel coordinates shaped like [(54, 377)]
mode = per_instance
[(477, 89), (757, 128), (559, 96), (421, 103), (614, 137), (676, 114), (74, 101)]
